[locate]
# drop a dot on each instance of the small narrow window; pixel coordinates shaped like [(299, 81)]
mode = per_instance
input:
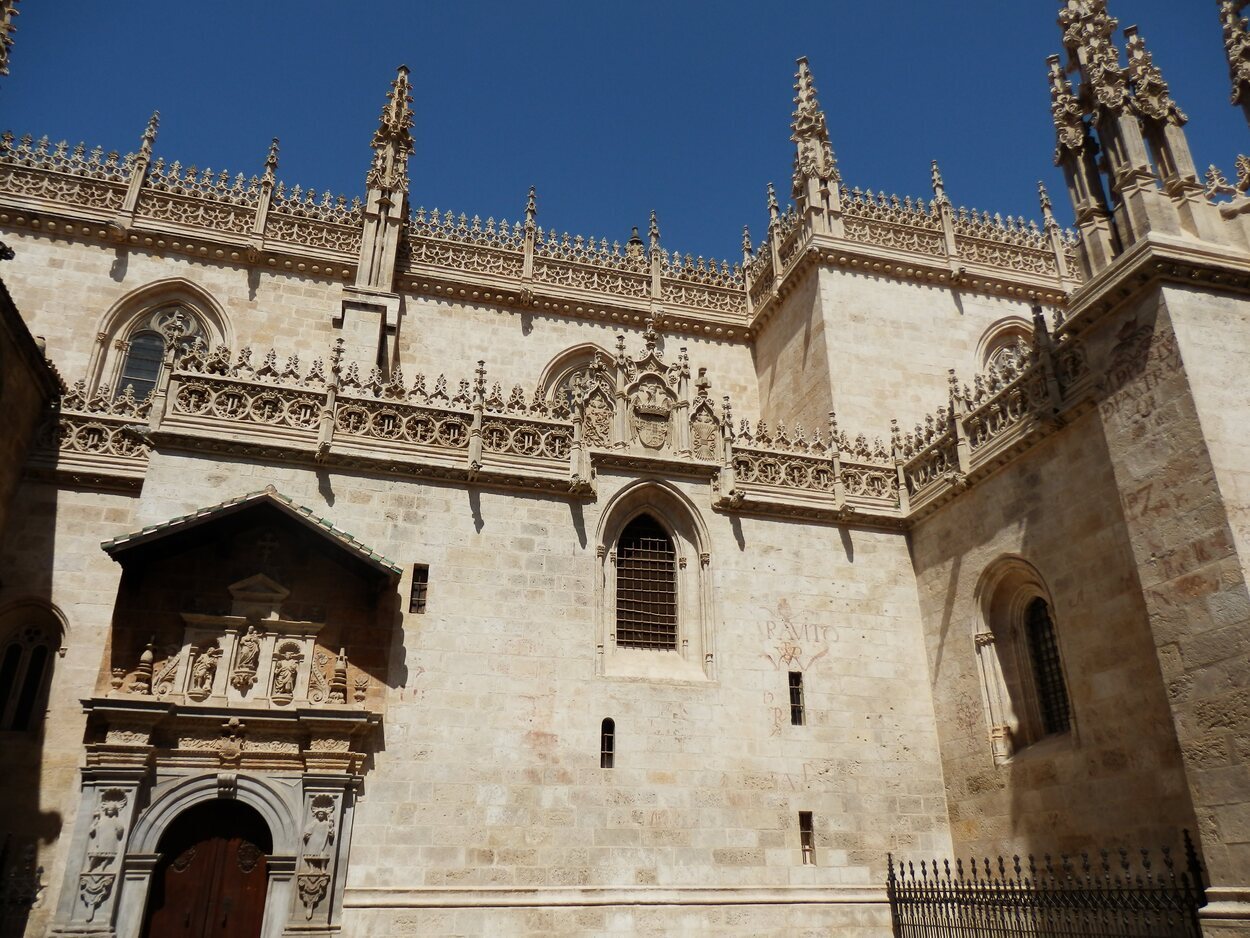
[(796, 698), (646, 586), (1052, 693), (143, 364), (8, 676), (607, 744), (420, 586), (807, 838), (31, 686)]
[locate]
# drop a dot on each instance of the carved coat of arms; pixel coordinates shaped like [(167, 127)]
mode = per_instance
[(650, 407)]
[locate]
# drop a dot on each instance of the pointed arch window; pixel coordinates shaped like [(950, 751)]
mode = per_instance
[(646, 586), (1022, 672), (138, 350), (26, 657), (142, 364)]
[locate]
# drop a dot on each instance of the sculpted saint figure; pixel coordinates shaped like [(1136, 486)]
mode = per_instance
[(204, 670), (249, 650), (284, 670), (319, 835)]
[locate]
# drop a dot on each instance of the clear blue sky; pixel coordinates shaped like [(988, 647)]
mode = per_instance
[(611, 109)]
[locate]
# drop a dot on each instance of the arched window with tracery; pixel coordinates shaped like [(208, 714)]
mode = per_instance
[(144, 350), (133, 335), (1020, 661), (1004, 341), (646, 586), (654, 594), (27, 651)]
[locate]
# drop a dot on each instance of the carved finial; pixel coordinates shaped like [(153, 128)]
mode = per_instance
[(1088, 35), (653, 232), (149, 135), (809, 131), (271, 160), (1151, 95), (651, 333), (8, 11), (746, 245), (1065, 110), (1237, 48), (833, 428), (392, 141), (727, 412), (939, 187), (479, 383), (634, 246), (531, 207), (1048, 210), (773, 211)]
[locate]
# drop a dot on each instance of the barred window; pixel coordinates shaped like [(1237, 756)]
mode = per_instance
[(420, 587), (796, 698), (1052, 692), (607, 744), (646, 586), (807, 838)]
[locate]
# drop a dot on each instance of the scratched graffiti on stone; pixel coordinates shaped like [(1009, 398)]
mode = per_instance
[(794, 642)]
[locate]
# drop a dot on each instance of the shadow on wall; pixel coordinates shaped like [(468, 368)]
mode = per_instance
[(32, 642)]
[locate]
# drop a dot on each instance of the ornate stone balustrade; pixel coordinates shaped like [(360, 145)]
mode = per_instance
[(142, 199), (96, 437), (1018, 400)]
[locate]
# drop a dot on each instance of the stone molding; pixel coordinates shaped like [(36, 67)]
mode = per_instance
[(381, 897)]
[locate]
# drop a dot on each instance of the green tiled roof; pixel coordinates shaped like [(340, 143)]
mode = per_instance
[(268, 495)]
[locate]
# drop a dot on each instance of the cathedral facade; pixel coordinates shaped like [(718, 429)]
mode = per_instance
[(373, 571)]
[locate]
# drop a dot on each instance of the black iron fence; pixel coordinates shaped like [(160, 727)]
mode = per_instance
[(1114, 894)]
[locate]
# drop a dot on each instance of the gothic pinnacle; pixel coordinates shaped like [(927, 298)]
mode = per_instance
[(531, 207), (149, 135), (392, 141), (939, 187), (8, 12), (809, 131), (1151, 94), (746, 245), (654, 231), (1237, 48), (271, 160), (1048, 213), (772, 205)]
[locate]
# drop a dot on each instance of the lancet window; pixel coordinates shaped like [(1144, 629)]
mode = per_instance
[(144, 350), (26, 656), (1021, 666)]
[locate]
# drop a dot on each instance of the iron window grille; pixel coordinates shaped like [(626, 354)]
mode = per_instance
[(607, 744), (1052, 692), (797, 716), (807, 838), (646, 586), (420, 587)]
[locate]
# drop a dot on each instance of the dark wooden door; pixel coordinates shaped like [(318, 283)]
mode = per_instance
[(211, 878)]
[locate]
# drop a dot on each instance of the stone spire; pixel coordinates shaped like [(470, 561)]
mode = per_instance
[(1237, 48), (815, 167), (387, 182), (392, 141), (8, 13), (1151, 95)]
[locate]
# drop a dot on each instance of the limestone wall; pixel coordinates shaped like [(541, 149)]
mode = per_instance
[(490, 772), (1118, 777), (890, 344), (51, 555)]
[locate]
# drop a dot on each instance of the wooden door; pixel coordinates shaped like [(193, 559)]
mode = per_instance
[(210, 881)]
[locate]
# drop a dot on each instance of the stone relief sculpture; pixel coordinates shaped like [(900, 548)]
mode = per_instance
[(314, 876), (285, 670), (104, 840), (244, 675), (204, 672)]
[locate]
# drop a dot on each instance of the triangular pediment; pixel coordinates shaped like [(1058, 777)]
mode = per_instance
[(259, 588)]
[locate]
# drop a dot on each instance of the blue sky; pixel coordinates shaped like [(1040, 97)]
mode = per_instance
[(611, 109)]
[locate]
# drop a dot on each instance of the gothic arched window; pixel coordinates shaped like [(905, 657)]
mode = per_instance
[(1026, 692), (142, 364), (646, 586), (26, 656)]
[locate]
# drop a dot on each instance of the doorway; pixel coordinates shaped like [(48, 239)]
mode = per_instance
[(212, 878)]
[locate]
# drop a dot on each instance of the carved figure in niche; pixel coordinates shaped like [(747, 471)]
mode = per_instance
[(244, 675), (285, 669), (319, 834), (104, 839), (314, 878), (204, 671), (107, 828)]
